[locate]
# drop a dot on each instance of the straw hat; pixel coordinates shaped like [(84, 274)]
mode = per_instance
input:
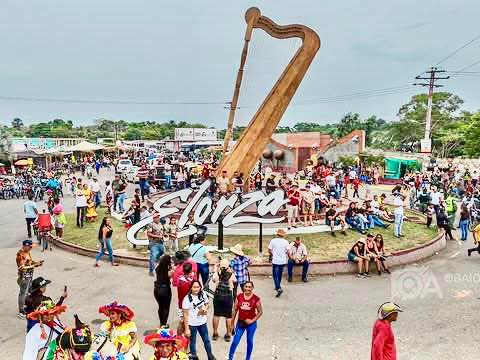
[(224, 263), (237, 250), (281, 233)]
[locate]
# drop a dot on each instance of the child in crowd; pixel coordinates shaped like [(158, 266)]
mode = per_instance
[(91, 212), (430, 212), (356, 186)]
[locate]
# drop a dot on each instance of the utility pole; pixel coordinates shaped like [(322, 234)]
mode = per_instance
[(426, 143)]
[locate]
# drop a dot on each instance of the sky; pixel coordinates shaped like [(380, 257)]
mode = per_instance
[(189, 51)]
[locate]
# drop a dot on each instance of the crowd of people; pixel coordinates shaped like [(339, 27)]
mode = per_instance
[(322, 194)]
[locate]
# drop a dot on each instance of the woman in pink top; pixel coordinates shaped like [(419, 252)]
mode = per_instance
[(60, 220)]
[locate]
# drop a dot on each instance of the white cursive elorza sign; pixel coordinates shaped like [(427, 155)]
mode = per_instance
[(203, 205)]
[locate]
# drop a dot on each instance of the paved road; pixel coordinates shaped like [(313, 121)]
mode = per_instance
[(328, 318)]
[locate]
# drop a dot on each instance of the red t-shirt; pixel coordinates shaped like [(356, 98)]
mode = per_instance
[(293, 197), (247, 309), (356, 183), (383, 342)]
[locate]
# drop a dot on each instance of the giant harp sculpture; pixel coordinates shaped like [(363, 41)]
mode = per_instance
[(251, 144)]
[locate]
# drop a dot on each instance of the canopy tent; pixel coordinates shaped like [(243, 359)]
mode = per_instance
[(84, 146), (395, 168), (22, 162)]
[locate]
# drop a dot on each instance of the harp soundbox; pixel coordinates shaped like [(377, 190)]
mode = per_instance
[(251, 144)]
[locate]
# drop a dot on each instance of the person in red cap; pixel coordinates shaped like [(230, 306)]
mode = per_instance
[(383, 339), (166, 343)]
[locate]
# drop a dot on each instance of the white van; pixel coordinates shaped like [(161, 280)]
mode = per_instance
[(124, 166)]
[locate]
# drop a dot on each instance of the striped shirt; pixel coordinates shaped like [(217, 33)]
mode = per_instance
[(142, 174)]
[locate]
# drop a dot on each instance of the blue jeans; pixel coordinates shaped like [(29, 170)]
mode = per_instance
[(464, 229), (375, 221), (108, 244), (398, 224), (203, 270), (168, 182), (355, 223), (121, 202), (304, 266), (143, 188), (203, 331), (277, 271), (238, 336), (156, 250)]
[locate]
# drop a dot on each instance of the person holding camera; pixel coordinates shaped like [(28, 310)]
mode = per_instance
[(25, 265)]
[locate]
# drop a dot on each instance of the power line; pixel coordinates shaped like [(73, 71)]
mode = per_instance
[(115, 102), (469, 66), (457, 50)]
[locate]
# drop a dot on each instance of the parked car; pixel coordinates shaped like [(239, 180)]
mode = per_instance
[(124, 166), (132, 175)]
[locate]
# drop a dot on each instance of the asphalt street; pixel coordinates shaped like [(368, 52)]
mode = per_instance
[(327, 318)]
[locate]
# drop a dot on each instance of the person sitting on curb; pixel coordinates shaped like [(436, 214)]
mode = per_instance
[(353, 219), (357, 255), (371, 252), (334, 218), (297, 256), (381, 252)]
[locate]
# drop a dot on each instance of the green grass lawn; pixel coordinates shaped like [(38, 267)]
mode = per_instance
[(322, 246)]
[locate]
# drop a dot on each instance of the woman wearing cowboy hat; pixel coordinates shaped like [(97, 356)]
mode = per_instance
[(37, 296), (165, 343), (120, 328), (45, 331)]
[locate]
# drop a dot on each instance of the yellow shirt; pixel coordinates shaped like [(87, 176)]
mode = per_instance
[(476, 233), (120, 334), (87, 194), (180, 356)]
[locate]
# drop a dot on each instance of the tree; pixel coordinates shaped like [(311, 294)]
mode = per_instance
[(471, 134), (17, 123)]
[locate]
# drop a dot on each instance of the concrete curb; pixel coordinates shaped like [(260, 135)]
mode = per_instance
[(330, 267)]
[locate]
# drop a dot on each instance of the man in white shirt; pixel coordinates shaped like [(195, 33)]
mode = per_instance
[(297, 256), (398, 212), (223, 183), (95, 189), (278, 250), (436, 198)]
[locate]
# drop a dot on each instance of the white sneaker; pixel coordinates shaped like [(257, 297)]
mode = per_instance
[(21, 316)]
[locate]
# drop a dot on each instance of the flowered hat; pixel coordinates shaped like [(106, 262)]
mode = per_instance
[(161, 336), (46, 308), (118, 308)]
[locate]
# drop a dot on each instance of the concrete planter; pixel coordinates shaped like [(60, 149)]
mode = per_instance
[(401, 257)]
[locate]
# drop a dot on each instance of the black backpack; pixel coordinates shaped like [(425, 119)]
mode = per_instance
[(223, 287)]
